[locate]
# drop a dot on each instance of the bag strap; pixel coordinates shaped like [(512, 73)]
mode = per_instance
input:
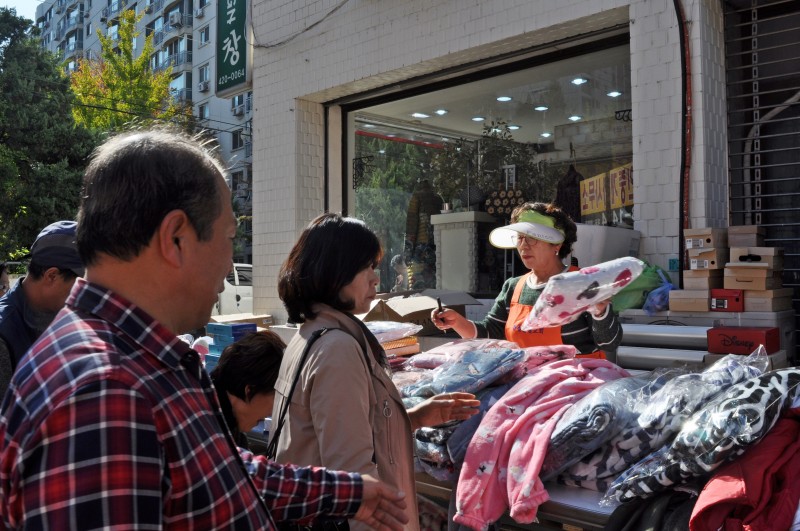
[(272, 448)]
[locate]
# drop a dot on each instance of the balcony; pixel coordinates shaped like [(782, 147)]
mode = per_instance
[(183, 95), (73, 21), (178, 24), (72, 49), (113, 10), (153, 6), (177, 61)]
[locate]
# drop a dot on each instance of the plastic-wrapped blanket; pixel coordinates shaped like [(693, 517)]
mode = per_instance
[(430, 359), (662, 414), (458, 442), (430, 448), (473, 371), (758, 490), (536, 356), (595, 419), (501, 468), (567, 295), (391, 330), (719, 432), (406, 377)]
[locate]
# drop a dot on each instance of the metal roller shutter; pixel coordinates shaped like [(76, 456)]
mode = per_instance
[(762, 41)]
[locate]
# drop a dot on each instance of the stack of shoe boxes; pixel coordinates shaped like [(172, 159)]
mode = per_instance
[(756, 270), (708, 252)]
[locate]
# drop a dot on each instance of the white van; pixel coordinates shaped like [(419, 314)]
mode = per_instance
[(237, 297)]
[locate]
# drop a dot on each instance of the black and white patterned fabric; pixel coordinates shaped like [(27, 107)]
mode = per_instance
[(596, 418), (662, 415), (721, 431)]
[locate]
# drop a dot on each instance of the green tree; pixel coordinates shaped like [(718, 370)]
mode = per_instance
[(42, 151), (120, 87), (389, 171)]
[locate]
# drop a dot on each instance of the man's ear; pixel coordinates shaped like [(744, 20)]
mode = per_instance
[(51, 274), (172, 237)]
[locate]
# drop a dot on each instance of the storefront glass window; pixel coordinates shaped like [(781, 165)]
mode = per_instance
[(559, 131)]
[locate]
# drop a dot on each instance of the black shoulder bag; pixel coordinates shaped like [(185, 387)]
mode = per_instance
[(272, 448)]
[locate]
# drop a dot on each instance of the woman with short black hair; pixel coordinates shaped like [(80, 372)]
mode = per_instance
[(345, 411)]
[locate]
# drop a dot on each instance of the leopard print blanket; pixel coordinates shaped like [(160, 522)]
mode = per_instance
[(719, 432)]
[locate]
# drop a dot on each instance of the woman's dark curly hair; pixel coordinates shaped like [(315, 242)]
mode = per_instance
[(562, 221)]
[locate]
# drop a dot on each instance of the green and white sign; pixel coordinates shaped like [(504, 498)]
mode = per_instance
[(233, 48)]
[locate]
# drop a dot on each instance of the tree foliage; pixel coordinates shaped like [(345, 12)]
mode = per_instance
[(464, 163), (42, 151), (120, 87), (391, 170)]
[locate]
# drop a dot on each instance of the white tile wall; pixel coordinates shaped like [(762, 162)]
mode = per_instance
[(369, 44)]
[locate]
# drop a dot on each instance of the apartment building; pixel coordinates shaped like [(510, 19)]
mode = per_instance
[(184, 36)]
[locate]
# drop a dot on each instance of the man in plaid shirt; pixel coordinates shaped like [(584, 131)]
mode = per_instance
[(110, 422)]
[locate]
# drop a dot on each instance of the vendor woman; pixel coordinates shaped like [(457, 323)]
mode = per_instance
[(543, 235)]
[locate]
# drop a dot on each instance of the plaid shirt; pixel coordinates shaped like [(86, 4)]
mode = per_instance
[(111, 423)]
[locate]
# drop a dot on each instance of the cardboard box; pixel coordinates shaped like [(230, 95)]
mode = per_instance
[(772, 256), (752, 277), (773, 300), (706, 279), (743, 339), (415, 307), (712, 258), (727, 300), (261, 320), (705, 238), (777, 360), (746, 236), (684, 300)]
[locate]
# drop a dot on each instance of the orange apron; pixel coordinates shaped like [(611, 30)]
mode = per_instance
[(540, 337)]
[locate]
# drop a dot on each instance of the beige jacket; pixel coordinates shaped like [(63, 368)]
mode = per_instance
[(345, 412)]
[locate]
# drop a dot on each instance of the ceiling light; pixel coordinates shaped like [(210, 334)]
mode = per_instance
[(441, 112), (546, 134), (420, 115), (504, 98), (478, 118), (541, 108), (369, 126), (574, 118), (579, 81), (513, 127), (614, 94)]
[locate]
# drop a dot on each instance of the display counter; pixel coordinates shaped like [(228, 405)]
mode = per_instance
[(572, 506)]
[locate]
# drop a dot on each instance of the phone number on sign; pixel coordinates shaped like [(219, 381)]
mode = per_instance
[(233, 76)]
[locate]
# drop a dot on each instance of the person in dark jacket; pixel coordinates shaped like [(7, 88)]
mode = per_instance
[(33, 302)]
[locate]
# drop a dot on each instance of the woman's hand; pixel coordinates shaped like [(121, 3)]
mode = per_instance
[(443, 408), (447, 318), (598, 311)]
